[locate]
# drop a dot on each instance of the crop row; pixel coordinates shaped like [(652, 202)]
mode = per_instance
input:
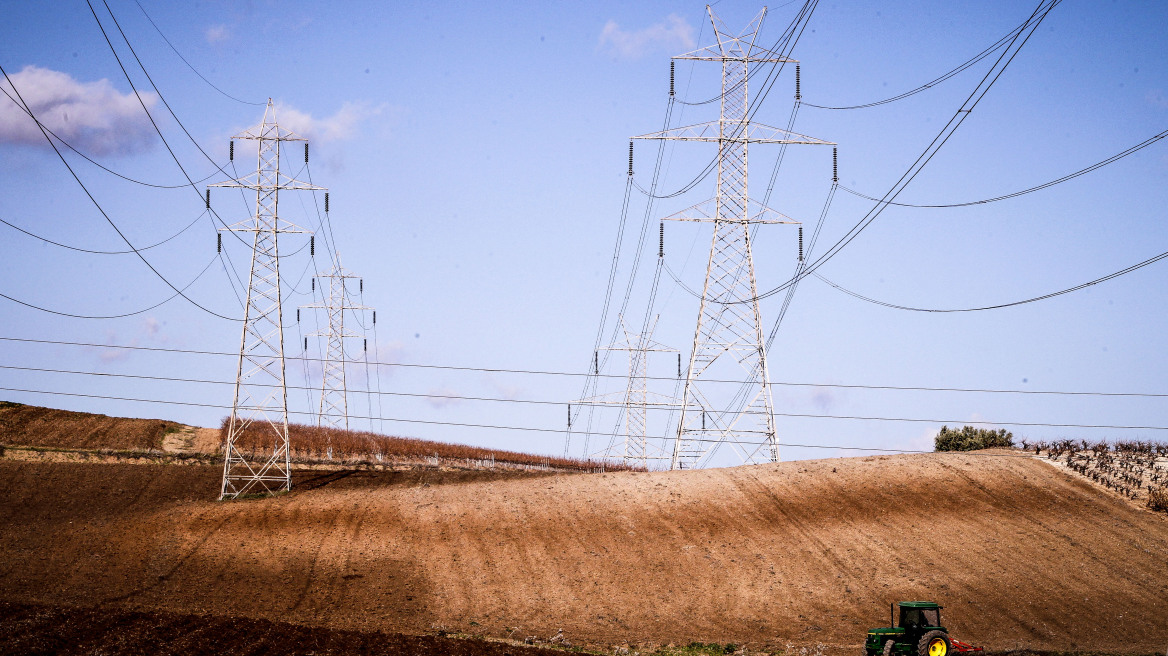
[(1133, 469)]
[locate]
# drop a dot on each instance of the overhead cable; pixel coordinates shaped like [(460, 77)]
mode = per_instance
[(559, 430), (178, 292), (160, 349), (994, 47), (1068, 290), (86, 250), (184, 60), (1070, 176)]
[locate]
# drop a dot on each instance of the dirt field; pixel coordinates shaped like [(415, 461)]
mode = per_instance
[(31, 630), (1022, 554), (48, 427)]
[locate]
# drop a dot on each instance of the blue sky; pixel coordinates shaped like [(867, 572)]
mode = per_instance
[(476, 162)]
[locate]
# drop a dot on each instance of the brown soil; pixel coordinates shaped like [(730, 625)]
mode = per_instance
[(1022, 554), (48, 427), (189, 440), (32, 630)]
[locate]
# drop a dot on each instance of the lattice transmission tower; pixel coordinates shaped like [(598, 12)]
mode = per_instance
[(334, 395), (257, 458), (636, 399), (729, 325)]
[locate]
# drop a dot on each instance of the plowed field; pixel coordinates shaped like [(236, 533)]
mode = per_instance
[(1022, 554), (32, 630)]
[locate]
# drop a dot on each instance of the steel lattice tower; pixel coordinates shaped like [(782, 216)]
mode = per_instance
[(729, 323), (334, 397), (259, 409), (636, 398)]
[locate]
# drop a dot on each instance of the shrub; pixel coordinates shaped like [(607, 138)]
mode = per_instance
[(1158, 499), (971, 439)]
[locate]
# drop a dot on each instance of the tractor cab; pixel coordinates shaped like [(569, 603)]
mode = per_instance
[(916, 615), (918, 633)]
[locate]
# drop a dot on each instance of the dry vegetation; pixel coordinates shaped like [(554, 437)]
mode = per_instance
[(29, 425), (314, 443), (1137, 470)]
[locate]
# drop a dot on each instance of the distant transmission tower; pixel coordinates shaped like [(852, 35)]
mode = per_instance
[(729, 322), (334, 397), (259, 411), (636, 399)]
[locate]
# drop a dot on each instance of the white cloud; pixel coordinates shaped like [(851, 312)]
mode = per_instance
[(92, 116), (216, 33), (673, 33), (341, 125)]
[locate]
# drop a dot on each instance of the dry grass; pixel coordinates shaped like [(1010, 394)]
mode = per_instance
[(29, 425), (348, 446)]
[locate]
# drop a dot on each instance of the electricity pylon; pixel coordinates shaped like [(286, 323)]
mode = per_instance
[(259, 410), (636, 398), (729, 322), (334, 397)]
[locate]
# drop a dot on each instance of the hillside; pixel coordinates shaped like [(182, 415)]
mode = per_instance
[(1022, 554), (52, 429), (32, 425)]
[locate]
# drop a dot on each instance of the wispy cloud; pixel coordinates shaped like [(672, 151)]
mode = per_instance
[(507, 391), (150, 332), (217, 34), (92, 116), (341, 125), (443, 397), (673, 33)]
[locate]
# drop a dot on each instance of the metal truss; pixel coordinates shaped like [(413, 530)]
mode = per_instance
[(334, 401), (260, 405), (729, 325), (636, 399)]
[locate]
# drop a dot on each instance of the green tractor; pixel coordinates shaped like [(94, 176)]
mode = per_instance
[(919, 633)]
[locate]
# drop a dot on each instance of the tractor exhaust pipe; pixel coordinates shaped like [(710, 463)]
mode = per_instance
[(892, 615)]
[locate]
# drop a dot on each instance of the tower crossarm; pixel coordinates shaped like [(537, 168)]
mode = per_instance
[(706, 211), (259, 183), (319, 306), (756, 55), (739, 132)]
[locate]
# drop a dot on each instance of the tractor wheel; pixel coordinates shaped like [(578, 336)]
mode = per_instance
[(888, 647), (934, 643)]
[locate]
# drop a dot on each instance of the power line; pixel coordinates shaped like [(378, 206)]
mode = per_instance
[(95, 162), (184, 60), (1121, 272), (984, 85), (130, 81), (1070, 176), (113, 316), (86, 250), (178, 292), (558, 431), (622, 376), (994, 47)]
